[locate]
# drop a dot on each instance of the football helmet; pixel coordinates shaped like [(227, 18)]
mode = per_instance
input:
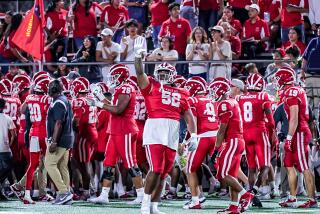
[(285, 76), (196, 85), (104, 87), (38, 74), (165, 73), (180, 81), (218, 88), (119, 73), (20, 82), (6, 87), (65, 82), (42, 85), (133, 81), (79, 85), (255, 82)]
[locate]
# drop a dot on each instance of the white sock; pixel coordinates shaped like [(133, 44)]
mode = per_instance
[(35, 193), (120, 189), (272, 184), (234, 203), (242, 192), (105, 192), (292, 197), (195, 199), (154, 205), (173, 189), (140, 192), (27, 194), (146, 198), (212, 181), (179, 187), (187, 189)]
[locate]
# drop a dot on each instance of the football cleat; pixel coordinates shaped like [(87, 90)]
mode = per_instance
[(17, 191), (288, 202), (99, 200), (309, 204), (245, 201), (27, 200), (46, 198), (136, 201), (232, 209), (192, 205), (63, 198), (169, 196)]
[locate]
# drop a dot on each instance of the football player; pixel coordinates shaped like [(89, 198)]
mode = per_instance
[(231, 133)]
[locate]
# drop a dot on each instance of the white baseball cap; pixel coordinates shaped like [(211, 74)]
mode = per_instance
[(237, 83), (107, 32), (254, 6), (218, 28), (63, 59)]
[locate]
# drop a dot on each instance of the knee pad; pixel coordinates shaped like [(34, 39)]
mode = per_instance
[(135, 172), (108, 173)]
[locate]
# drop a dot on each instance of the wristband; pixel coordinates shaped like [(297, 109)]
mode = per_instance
[(289, 137), (99, 104)]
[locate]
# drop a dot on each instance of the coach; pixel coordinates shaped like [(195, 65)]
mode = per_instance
[(60, 139)]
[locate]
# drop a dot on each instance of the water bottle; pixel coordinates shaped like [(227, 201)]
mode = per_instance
[(266, 16)]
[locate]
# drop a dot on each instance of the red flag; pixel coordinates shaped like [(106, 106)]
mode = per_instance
[(30, 34)]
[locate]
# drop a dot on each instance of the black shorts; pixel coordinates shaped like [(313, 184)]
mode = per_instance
[(5, 165)]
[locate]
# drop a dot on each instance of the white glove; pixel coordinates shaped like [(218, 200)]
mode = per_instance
[(193, 142), (97, 92), (94, 102), (138, 47)]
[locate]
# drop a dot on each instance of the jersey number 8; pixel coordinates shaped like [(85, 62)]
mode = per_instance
[(247, 111)]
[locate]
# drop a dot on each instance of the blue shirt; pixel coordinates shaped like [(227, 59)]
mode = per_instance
[(313, 59)]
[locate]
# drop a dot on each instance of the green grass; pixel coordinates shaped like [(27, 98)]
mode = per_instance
[(120, 207)]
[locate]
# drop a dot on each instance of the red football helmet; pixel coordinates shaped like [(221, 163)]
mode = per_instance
[(196, 85), (104, 87), (133, 81), (65, 82), (165, 73), (119, 73), (20, 82), (38, 74), (285, 76), (79, 85), (218, 88), (42, 85), (180, 81), (6, 87), (255, 82), (40, 77)]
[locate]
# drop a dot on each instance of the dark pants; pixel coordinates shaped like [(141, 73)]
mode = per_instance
[(251, 49), (182, 69), (208, 18), (5, 165), (241, 14)]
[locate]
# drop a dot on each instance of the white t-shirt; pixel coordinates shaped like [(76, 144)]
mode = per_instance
[(166, 54), (6, 125), (130, 52), (197, 68), (115, 47), (219, 69)]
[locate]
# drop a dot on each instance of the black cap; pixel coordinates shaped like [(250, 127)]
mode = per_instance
[(173, 5), (131, 22)]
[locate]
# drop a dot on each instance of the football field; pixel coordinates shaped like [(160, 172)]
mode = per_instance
[(120, 207)]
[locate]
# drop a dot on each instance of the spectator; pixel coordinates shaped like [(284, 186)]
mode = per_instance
[(137, 10), (7, 128), (272, 68), (87, 53), (208, 13), (291, 16), (293, 54), (13, 71), (198, 49), (255, 33), (311, 70), (220, 50), (63, 69), (235, 43), (237, 87), (294, 40), (159, 14), (8, 51), (190, 11), (239, 8), (56, 22), (270, 12), (179, 29), (127, 44), (107, 51), (6, 23), (165, 52), (314, 14), (114, 16), (235, 24), (251, 68), (60, 138), (85, 20)]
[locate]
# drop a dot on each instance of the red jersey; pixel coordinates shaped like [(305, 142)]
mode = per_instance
[(166, 102), (86, 114), (258, 30), (140, 113), (38, 106), (85, 24), (12, 108), (291, 19), (252, 107), (159, 13), (299, 44), (57, 20), (269, 6), (239, 3), (295, 95), (205, 110), (209, 5), (179, 30), (111, 15), (229, 112), (6, 45), (124, 123)]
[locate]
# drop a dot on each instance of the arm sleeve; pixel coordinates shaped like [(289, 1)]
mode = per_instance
[(312, 44)]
